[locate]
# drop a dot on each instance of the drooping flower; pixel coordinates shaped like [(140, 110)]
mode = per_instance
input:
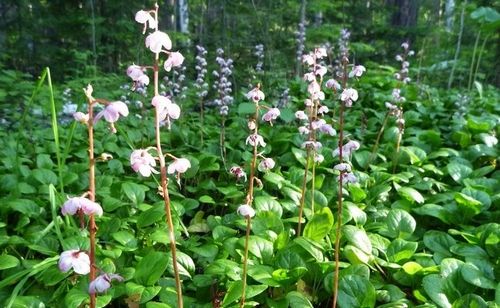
[(88, 207), (347, 148), (301, 115), (332, 84), (103, 282), (81, 117), (136, 73), (349, 96), (166, 108), (347, 178), (320, 53), (271, 114), (357, 71), (246, 210), (76, 259), (112, 112), (158, 40), (256, 95), (304, 130), (179, 165), (343, 167), (255, 140), (327, 129), (145, 18), (312, 144), (238, 172), (174, 59), (266, 164), (143, 162), (322, 110)]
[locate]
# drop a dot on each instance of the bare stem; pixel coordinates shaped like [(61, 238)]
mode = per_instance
[(222, 141), (164, 184), (377, 141), (92, 225), (245, 262), (303, 192), (202, 119), (396, 154)]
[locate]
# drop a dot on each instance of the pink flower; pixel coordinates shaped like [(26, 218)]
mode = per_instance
[(308, 59), (327, 129), (246, 210), (180, 165), (357, 71), (318, 158), (405, 45), (320, 52), (145, 18), (332, 84), (238, 172), (312, 144), (322, 110), (81, 117), (76, 259), (103, 282), (266, 164), (143, 162), (347, 178), (320, 70), (343, 167), (175, 59), (271, 114), (112, 112), (158, 40), (256, 95), (348, 148), (303, 130), (399, 58), (166, 108), (309, 77), (73, 205), (349, 96), (301, 115), (313, 88), (255, 140)]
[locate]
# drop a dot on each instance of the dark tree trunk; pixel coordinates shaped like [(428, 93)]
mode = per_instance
[(405, 12)]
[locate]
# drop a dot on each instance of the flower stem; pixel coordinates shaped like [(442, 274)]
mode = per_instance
[(377, 141), (249, 201), (303, 191), (92, 225), (396, 153), (202, 119), (164, 184), (339, 202)]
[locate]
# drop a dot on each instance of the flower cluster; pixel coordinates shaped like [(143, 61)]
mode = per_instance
[(343, 51), (259, 52), (138, 76), (223, 85), (311, 118), (300, 40), (201, 71), (395, 107)]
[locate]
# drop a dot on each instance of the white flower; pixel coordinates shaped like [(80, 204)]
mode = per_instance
[(405, 45), (256, 95), (166, 108), (143, 162), (320, 53), (238, 172), (322, 110), (103, 282), (318, 158), (255, 140), (349, 95), (76, 259), (88, 207), (81, 117), (112, 112), (266, 164), (343, 167), (357, 71), (332, 84), (271, 114), (399, 58), (304, 130), (308, 59), (246, 210), (158, 40), (301, 115), (327, 129), (175, 59), (317, 124), (144, 17), (312, 144), (347, 178), (180, 165), (347, 149)]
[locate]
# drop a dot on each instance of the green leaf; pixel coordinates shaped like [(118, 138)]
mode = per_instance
[(411, 194), (401, 250), (45, 176), (320, 225), (399, 223), (263, 274), (246, 108), (314, 249), (75, 298), (125, 238), (356, 291), (298, 300), (458, 171), (266, 203), (473, 275), (259, 247), (150, 268), (439, 242), (470, 300), (224, 268), (358, 238), (206, 199), (235, 290), (150, 216), (185, 264), (8, 261), (149, 293), (134, 192), (433, 286)]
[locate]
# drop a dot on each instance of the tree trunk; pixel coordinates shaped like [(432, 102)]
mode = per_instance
[(405, 12), (449, 15)]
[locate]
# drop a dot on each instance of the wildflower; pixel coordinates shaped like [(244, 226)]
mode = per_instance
[(318, 158), (112, 112), (81, 117), (303, 130), (158, 40), (349, 96), (255, 140), (145, 18), (309, 77), (347, 178), (175, 59), (308, 59), (320, 70), (255, 95), (103, 282), (271, 114), (327, 129), (317, 124), (399, 58), (343, 167), (348, 148), (357, 71), (75, 204), (180, 165), (76, 259), (322, 110), (166, 108), (143, 162), (266, 164), (312, 144), (332, 84), (320, 53), (405, 45), (246, 210), (301, 115), (238, 172)]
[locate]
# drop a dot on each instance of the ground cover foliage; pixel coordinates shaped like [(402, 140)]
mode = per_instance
[(419, 228)]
